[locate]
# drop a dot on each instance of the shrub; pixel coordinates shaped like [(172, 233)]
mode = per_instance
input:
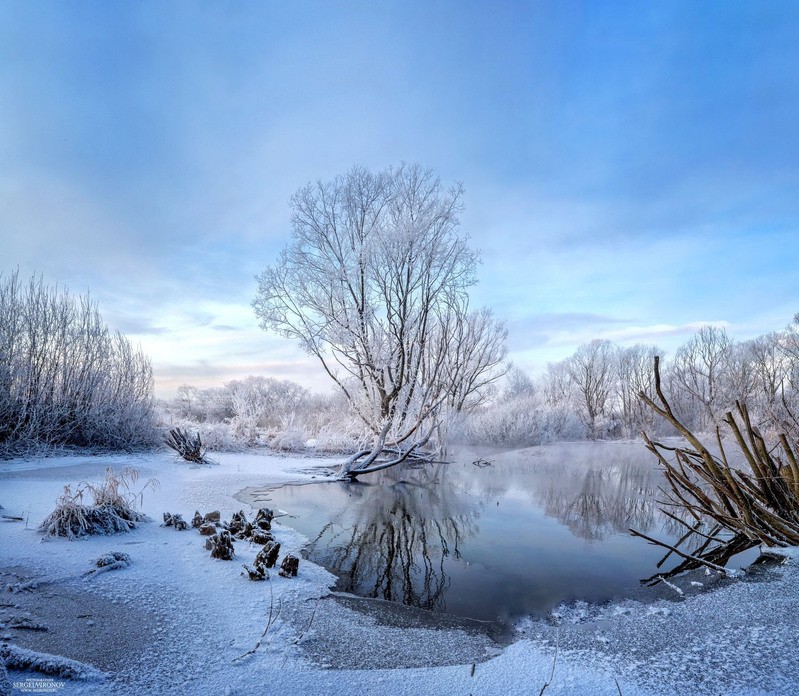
[(66, 380)]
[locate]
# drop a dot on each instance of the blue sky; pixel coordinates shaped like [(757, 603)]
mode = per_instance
[(630, 168)]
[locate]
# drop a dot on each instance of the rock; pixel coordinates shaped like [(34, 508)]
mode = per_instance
[(197, 520), (207, 529), (209, 543), (289, 567), (212, 516)]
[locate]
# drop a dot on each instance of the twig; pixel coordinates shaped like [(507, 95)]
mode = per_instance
[(687, 556), (297, 640), (269, 621), (552, 673)]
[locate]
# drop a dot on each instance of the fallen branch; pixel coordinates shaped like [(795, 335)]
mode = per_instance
[(755, 507)]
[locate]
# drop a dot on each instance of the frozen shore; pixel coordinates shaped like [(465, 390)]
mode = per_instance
[(176, 621)]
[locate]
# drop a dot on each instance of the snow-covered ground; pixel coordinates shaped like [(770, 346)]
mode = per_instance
[(179, 622)]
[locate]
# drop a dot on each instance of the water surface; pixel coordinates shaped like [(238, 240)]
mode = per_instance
[(489, 537)]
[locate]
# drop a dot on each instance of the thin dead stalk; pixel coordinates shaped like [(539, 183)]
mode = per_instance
[(552, 673), (273, 616)]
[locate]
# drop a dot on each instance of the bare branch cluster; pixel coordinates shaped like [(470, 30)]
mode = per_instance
[(728, 508), (188, 446), (66, 380)]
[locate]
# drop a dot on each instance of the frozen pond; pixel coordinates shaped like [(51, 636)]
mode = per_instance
[(513, 534)]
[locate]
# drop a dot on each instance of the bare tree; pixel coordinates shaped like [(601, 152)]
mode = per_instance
[(374, 285), (699, 368), (634, 375), (518, 384), (592, 369)]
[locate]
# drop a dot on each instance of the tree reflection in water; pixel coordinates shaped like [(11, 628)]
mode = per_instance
[(609, 500), (553, 526), (396, 538)]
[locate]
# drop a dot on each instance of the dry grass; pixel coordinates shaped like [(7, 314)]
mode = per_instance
[(112, 509)]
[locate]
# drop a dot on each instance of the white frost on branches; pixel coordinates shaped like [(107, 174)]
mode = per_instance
[(375, 285)]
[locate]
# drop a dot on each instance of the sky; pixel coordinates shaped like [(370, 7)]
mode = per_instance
[(631, 170)]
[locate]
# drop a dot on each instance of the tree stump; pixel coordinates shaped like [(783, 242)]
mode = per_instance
[(263, 519), (259, 536), (268, 554), (289, 567), (223, 546), (175, 521)]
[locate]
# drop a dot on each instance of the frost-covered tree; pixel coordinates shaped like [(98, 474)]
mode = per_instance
[(518, 384), (633, 376), (374, 284), (592, 369), (66, 380), (700, 368)]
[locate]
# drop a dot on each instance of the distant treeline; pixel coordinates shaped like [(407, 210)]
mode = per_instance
[(67, 381), (593, 394)]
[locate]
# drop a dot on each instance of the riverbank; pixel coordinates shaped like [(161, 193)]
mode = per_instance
[(177, 621)]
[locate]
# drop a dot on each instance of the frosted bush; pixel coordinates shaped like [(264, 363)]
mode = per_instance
[(66, 380), (220, 437), (335, 440), (514, 423), (290, 440)]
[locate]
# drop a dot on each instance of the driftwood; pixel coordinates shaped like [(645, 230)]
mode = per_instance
[(189, 447), (113, 560), (724, 509)]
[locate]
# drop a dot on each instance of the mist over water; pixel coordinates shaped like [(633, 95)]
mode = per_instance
[(488, 535)]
